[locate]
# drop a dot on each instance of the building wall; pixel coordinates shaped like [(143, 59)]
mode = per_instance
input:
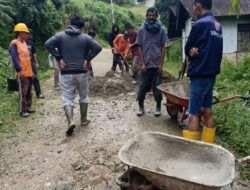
[(230, 34), (185, 34)]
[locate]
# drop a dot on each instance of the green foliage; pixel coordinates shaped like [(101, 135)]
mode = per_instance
[(121, 2), (42, 16), (232, 118), (6, 70), (8, 103), (174, 52), (172, 63), (97, 15), (5, 12), (235, 7)]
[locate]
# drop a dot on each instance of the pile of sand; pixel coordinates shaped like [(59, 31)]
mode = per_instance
[(112, 84)]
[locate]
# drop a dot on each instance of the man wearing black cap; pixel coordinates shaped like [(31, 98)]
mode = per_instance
[(34, 64), (73, 52)]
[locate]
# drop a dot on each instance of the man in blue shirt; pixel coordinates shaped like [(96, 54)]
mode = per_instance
[(204, 49)]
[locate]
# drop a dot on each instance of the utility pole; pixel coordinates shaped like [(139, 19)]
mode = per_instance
[(113, 12)]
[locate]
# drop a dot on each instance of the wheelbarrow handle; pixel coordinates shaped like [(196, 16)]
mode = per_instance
[(245, 159), (244, 97), (226, 99)]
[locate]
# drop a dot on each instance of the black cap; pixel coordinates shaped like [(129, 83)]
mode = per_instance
[(30, 31), (128, 25), (92, 33), (77, 21)]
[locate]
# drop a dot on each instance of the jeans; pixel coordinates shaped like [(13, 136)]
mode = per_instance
[(201, 94)]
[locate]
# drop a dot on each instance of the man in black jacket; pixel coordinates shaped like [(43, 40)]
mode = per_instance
[(73, 52)]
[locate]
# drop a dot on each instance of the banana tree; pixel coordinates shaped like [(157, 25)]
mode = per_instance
[(235, 7)]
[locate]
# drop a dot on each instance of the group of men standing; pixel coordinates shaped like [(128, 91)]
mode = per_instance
[(147, 47), (204, 49), (74, 51)]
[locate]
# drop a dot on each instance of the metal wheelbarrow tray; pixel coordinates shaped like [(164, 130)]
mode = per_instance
[(175, 163), (177, 98)]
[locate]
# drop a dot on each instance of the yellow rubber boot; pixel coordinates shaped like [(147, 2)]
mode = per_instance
[(191, 135), (208, 135)]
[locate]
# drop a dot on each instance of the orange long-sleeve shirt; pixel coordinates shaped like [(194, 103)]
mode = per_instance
[(121, 45)]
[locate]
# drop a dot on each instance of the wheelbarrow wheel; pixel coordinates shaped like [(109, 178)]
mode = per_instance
[(173, 110)]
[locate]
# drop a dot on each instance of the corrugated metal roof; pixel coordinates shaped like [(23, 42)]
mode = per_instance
[(220, 7), (174, 9)]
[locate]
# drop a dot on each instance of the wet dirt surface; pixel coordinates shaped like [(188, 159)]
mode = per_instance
[(39, 156)]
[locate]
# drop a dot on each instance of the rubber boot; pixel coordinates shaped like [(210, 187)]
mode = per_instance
[(84, 111), (69, 114), (141, 109), (208, 135), (158, 110), (191, 135)]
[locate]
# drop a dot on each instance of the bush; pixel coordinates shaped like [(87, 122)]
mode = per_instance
[(6, 70), (232, 118), (98, 15)]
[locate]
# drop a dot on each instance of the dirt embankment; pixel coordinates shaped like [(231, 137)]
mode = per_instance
[(112, 84)]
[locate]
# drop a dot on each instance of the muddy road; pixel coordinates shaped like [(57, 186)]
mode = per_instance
[(40, 157)]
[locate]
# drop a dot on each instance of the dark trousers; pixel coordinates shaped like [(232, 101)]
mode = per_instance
[(25, 86), (36, 84), (118, 60), (56, 77), (150, 79), (91, 72)]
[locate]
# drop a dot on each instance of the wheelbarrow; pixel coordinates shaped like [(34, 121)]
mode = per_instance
[(175, 163), (177, 98)]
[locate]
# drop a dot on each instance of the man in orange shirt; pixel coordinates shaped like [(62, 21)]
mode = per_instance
[(121, 50), (21, 61)]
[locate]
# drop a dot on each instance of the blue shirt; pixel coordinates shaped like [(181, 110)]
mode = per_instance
[(15, 58), (206, 35)]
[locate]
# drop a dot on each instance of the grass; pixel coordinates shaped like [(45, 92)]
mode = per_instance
[(172, 63), (139, 9), (232, 117), (9, 100)]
